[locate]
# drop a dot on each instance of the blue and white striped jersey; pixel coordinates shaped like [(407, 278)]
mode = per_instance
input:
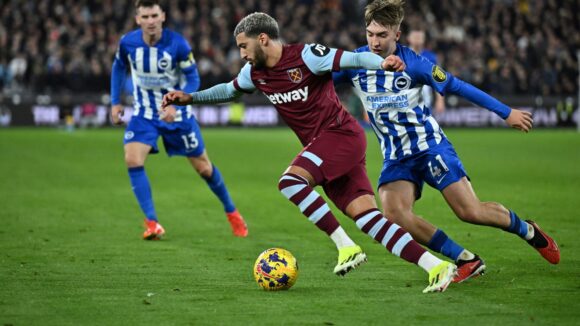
[(155, 70), (394, 103)]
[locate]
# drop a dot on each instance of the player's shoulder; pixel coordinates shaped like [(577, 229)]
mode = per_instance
[(407, 54), (131, 37), (429, 55), (173, 35)]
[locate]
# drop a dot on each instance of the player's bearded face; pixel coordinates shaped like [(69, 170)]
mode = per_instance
[(150, 19), (251, 51), (259, 57), (382, 40)]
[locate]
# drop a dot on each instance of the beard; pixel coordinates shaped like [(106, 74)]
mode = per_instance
[(260, 60)]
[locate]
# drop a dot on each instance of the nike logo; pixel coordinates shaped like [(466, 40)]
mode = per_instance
[(441, 179)]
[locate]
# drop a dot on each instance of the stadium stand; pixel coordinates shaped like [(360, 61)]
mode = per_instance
[(503, 47)]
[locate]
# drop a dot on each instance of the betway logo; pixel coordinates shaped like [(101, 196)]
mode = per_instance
[(297, 95)]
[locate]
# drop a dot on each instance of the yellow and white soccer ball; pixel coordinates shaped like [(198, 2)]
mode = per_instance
[(276, 269)]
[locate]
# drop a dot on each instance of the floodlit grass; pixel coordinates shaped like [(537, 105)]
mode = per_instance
[(71, 252)]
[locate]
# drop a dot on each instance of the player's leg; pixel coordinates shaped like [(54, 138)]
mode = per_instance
[(353, 194), (212, 176), (397, 199), (187, 141), (462, 199), (297, 184), (140, 139)]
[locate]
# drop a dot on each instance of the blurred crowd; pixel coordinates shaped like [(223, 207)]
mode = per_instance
[(501, 46)]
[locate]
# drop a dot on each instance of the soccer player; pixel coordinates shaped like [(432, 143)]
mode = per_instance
[(159, 58), (297, 80), (416, 150), (416, 40)]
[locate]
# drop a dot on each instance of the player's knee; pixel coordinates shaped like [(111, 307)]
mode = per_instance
[(397, 213), (202, 166), (204, 169), (469, 214), (281, 183), (133, 161), (286, 181)]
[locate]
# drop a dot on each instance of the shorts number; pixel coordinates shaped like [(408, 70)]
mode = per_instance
[(437, 170), (190, 141)]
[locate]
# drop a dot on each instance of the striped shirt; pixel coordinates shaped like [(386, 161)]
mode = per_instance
[(396, 107), (155, 70)]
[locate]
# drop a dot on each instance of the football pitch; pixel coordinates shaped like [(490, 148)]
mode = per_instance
[(71, 251)]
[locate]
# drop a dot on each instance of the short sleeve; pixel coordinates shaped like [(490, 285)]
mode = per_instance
[(321, 59), (243, 82)]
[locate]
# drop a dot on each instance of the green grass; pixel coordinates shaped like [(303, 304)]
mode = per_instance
[(71, 253)]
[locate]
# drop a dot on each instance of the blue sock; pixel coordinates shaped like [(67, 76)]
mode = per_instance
[(217, 185), (517, 226), (442, 244), (142, 191)]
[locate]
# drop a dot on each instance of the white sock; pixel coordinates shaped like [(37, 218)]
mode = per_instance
[(428, 261), (341, 239), (530, 234), (466, 255)]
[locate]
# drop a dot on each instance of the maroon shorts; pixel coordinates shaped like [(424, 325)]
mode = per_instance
[(336, 160)]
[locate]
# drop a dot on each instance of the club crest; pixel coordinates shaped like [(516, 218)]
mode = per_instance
[(295, 75)]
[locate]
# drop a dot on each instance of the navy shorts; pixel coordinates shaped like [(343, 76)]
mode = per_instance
[(438, 166), (179, 138)]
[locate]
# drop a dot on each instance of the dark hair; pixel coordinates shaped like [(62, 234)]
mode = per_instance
[(256, 24), (147, 3), (385, 12)]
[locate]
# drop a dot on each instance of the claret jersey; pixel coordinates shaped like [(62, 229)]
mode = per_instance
[(300, 87)]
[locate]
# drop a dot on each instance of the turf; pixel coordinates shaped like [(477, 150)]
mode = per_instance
[(71, 253)]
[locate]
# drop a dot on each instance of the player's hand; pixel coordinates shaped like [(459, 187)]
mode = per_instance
[(393, 63), (116, 114), (176, 98), (521, 120), (168, 113)]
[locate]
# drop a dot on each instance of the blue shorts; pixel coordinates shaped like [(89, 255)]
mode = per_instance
[(179, 138), (439, 166)]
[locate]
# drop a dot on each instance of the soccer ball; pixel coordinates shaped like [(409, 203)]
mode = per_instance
[(276, 269)]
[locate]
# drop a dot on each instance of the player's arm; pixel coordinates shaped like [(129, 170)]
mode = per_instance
[(518, 119), (321, 59), (445, 83), (221, 93), (188, 68), (118, 74)]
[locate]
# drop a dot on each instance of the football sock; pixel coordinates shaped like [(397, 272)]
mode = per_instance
[(466, 255), (142, 191), (441, 243), (217, 185), (397, 241), (519, 227), (310, 203), (341, 239), (427, 261)]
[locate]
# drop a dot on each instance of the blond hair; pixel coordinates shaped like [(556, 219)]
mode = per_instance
[(385, 12)]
